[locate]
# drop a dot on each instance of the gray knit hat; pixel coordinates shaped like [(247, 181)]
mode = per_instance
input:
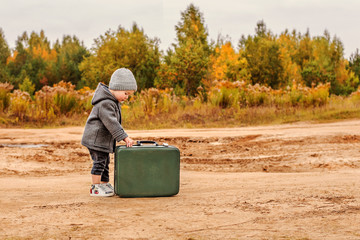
[(123, 79)]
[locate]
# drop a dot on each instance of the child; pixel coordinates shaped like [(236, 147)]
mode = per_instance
[(103, 127)]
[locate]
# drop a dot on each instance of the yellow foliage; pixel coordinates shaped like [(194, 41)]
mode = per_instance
[(12, 57), (288, 50), (195, 27), (226, 54), (38, 51), (227, 64), (342, 74)]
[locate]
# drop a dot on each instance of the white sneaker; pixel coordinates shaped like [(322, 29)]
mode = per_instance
[(99, 190), (109, 186)]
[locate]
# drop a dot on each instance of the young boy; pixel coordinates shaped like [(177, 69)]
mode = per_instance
[(103, 127)]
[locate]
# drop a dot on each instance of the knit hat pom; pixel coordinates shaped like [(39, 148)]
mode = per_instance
[(123, 79)]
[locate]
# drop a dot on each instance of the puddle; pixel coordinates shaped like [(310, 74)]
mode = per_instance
[(23, 145)]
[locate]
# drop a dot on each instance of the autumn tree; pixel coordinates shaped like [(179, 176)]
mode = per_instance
[(27, 86), (186, 65), (289, 51), (4, 54), (325, 63), (262, 53), (122, 48), (70, 53), (33, 58), (16, 63), (226, 64), (354, 63)]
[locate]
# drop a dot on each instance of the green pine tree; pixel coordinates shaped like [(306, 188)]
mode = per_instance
[(27, 86), (186, 66)]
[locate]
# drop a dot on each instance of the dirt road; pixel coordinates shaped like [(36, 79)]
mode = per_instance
[(295, 181)]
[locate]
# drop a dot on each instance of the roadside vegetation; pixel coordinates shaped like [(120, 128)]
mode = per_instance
[(227, 104)]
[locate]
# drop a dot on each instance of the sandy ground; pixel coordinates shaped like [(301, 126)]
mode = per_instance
[(294, 181)]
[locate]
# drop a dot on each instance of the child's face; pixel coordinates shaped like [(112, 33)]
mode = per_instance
[(122, 95)]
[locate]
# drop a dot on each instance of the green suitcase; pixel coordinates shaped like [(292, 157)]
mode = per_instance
[(147, 170)]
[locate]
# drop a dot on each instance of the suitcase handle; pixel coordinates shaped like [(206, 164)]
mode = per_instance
[(139, 143)]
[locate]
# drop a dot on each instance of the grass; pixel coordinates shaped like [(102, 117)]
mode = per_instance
[(206, 117), (226, 104), (246, 117)]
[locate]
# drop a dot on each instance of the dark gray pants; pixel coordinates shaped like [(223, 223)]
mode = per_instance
[(101, 162)]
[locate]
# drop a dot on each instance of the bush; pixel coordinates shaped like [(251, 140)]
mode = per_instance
[(20, 102), (226, 94), (48, 104), (224, 103)]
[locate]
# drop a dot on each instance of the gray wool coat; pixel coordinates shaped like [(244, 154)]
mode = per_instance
[(103, 126)]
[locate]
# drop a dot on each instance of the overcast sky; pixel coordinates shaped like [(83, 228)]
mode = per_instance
[(88, 19)]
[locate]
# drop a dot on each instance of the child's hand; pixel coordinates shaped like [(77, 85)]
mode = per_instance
[(129, 142)]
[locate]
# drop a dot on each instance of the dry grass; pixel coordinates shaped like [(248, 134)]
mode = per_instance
[(226, 104)]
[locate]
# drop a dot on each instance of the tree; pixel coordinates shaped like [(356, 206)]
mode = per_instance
[(27, 86), (33, 57), (131, 49), (192, 26), (70, 53), (262, 53), (289, 50), (325, 63), (4, 74), (4, 54), (226, 64), (4, 49), (185, 67), (354, 63), (17, 60)]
